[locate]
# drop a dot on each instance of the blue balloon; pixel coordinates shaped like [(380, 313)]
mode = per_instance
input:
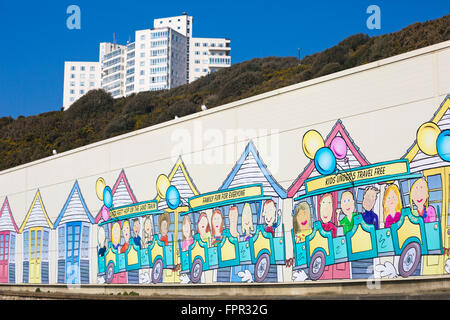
[(325, 161), (172, 197), (443, 145), (107, 197)]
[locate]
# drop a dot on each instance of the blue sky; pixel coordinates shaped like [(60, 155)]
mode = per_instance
[(36, 41)]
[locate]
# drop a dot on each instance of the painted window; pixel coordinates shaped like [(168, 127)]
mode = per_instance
[(12, 255), (435, 193), (85, 242), (45, 243), (61, 242), (448, 219), (359, 200), (26, 245)]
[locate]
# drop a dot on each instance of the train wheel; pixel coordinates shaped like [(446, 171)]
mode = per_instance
[(317, 265), (262, 267), (157, 271), (109, 274), (196, 270), (409, 259)]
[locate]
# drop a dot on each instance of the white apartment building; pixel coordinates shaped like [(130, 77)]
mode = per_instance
[(208, 55), (160, 58), (79, 78)]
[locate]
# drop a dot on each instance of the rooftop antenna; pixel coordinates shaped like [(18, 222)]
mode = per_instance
[(114, 39)]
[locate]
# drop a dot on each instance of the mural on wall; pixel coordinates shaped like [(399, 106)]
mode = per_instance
[(35, 231), (73, 227), (8, 235), (343, 217)]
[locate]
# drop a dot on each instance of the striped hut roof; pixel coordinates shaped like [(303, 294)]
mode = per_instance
[(37, 215), (7, 222), (180, 178), (250, 169), (122, 194), (355, 158), (74, 209), (418, 160)]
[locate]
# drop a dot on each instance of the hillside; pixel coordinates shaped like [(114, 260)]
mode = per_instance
[(96, 116)]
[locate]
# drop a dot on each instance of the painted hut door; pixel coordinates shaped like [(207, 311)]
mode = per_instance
[(73, 252), (35, 255), (4, 256), (434, 264)]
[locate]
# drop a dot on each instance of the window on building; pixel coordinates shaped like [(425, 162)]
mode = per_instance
[(72, 83), (143, 37), (72, 76), (92, 68), (72, 91), (81, 91), (82, 76), (142, 54), (91, 76), (91, 84), (73, 68), (82, 84), (83, 68), (142, 46)]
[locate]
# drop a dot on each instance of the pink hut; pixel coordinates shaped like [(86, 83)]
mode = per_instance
[(8, 235)]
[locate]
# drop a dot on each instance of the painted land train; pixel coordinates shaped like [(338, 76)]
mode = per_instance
[(381, 219), (240, 229)]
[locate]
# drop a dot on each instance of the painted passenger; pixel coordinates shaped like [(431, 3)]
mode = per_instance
[(187, 234), (392, 205), (217, 226), (348, 208), (115, 235), (271, 218), (148, 232), (419, 198), (369, 200), (163, 224), (137, 230), (101, 242), (326, 213), (302, 221), (203, 228), (126, 236), (247, 222), (233, 216)]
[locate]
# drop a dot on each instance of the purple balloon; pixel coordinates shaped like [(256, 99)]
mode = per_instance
[(339, 147), (105, 213)]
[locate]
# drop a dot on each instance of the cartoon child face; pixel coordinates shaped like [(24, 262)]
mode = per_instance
[(326, 209), (101, 237), (187, 228), (203, 225), (126, 231), (247, 222), (136, 227), (419, 193), (269, 213), (115, 234), (303, 218), (391, 201), (347, 204), (164, 228), (148, 227), (370, 197), (233, 215), (217, 222)]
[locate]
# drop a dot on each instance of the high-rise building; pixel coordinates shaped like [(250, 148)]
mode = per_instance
[(160, 58), (79, 78)]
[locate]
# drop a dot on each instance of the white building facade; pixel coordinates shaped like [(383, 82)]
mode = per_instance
[(159, 59), (79, 78)]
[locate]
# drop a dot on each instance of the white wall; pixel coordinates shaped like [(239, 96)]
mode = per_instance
[(381, 105)]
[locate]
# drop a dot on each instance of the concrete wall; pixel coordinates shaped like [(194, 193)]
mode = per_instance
[(381, 104)]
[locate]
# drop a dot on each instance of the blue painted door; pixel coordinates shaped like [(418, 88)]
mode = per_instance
[(73, 252)]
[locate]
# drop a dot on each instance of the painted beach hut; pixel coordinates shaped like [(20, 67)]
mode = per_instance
[(8, 236), (36, 230), (180, 178), (353, 159), (122, 195), (73, 227), (250, 170), (437, 174)]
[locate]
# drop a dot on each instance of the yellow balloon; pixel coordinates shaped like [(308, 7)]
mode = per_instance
[(162, 183), (426, 138), (99, 187), (312, 141)]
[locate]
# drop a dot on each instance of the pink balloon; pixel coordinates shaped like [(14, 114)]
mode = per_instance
[(339, 147), (105, 213)]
